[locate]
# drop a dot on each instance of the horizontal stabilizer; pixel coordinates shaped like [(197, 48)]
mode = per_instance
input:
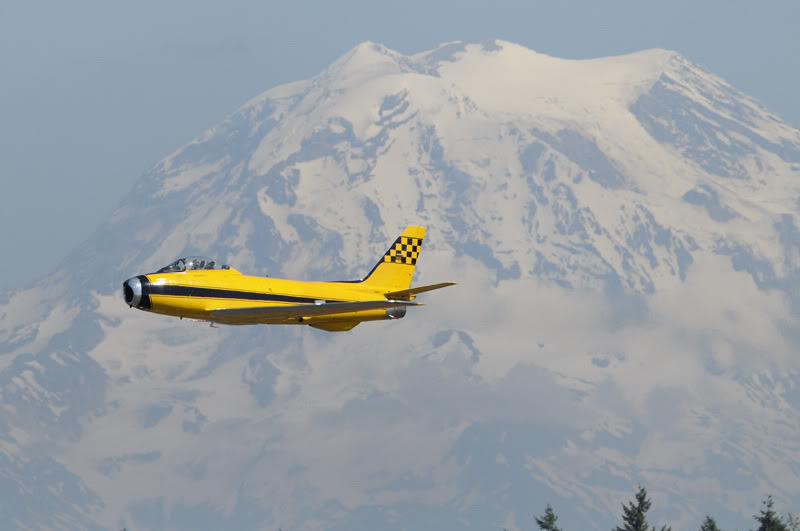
[(409, 294), (283, 312)]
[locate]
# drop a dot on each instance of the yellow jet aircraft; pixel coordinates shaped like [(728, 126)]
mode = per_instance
[(198, 288)]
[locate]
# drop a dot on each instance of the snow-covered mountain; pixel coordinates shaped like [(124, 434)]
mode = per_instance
[(624, 237)]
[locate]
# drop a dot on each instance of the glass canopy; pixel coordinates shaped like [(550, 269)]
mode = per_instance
[(191, 263)]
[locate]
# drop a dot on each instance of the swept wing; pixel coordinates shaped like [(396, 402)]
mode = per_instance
[(296, 311)]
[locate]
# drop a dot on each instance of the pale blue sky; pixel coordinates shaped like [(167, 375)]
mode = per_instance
[(93, 93)]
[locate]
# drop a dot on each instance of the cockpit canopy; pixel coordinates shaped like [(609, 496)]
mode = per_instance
[(191, 263)]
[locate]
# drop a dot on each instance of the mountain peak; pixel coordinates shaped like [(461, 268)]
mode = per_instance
[(512, 77), (365, 60), (515, 78)]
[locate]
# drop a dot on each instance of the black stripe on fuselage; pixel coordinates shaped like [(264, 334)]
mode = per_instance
[(213, 293)]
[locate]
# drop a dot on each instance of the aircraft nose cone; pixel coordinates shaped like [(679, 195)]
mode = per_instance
[(132, 291)]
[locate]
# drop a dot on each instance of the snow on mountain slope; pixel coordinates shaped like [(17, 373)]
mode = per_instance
[(623, 233)]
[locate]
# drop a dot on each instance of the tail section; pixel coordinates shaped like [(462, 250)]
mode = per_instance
[(395, 269)]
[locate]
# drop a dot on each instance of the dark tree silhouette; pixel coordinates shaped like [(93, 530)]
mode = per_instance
[(709, 524), (633, 516), (768, 519), (548, 520)]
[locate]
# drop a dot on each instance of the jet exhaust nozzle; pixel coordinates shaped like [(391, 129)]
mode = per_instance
[(395, 313)]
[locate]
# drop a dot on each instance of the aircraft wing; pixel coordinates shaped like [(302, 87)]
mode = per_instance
[(295, 311)]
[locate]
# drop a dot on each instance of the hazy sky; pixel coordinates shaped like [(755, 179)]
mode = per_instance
[(93, 93)]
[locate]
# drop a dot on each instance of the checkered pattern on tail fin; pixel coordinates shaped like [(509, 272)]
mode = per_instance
[(404, 251), (395, 269)]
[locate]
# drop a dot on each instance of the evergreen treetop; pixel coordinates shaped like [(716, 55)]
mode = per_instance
[(709, 524), (768, 519), (548, 520), (633, 516)]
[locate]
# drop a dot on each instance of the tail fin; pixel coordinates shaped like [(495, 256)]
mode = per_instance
[(395, 269)]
